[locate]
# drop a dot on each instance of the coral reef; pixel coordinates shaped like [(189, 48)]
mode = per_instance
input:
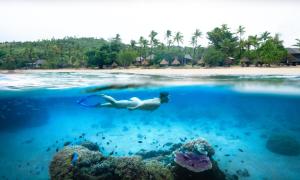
[(90, 145), (192, 160), (198, 146), (283, 144), (63, 165), (92, 165)]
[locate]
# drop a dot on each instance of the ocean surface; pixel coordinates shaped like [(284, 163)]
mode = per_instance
[(236, 114)]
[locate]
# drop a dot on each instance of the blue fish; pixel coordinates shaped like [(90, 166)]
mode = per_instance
[(74, 158)]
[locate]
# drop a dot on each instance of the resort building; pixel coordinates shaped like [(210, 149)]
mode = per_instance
[(164, 63), (175, 62), (293, 57), (187, 59)]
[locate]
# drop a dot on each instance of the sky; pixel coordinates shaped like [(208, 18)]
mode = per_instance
[(28, 20)]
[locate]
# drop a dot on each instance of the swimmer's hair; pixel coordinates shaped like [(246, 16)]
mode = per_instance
[(163, 94), (164, 97)]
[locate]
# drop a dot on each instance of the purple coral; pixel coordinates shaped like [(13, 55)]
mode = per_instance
[(193, 161)]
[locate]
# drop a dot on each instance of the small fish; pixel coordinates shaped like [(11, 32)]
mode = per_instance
[(240, 150), (111, 153), (67, 143), (140, 141), (28, 141), (227, 155), (48, 149)]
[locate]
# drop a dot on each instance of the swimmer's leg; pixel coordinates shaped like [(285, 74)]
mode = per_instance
[(110, 99), (105, 105)]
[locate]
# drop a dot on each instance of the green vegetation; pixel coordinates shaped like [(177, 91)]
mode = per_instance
[(225, 48)]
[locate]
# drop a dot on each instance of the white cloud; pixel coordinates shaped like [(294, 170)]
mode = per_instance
[(32, 20)]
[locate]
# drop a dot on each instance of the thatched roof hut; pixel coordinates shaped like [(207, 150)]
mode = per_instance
[(228, 61), (175, 62), (293, 56), (114, 65), (164, 62), (245, 62)]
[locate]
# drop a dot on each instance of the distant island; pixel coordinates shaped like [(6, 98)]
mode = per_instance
[(226, 48)]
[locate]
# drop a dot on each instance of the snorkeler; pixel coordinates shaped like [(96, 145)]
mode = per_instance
[(135, 103)]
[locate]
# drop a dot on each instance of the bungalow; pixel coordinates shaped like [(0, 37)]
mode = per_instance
[(175, 62), (114, 65), (245, 62), (293, 57), (228, 61), (187, 58), (164, 63)]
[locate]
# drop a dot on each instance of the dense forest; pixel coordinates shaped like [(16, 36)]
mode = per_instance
[(226, 47)]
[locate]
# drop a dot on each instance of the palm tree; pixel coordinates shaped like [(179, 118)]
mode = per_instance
[(168, 37), (133, 44), (143, 45), (241, 31), (152, 40), (178, 38), (277, 38), (254, 41), (265, 36), (196, 35), (117, 38), (298, 43)]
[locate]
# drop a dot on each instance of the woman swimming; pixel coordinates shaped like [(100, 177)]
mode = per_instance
[(135, 103)]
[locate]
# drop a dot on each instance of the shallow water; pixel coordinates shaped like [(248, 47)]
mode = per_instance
[(235, 114)]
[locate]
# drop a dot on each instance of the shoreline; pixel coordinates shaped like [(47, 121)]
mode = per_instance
[(294, 70)]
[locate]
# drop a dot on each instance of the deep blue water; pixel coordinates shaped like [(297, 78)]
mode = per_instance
[(35, 123)]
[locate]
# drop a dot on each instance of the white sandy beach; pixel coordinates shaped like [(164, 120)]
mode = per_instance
[(295, 70)]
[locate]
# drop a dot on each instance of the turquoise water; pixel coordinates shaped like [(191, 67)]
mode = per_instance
[(36, 121)]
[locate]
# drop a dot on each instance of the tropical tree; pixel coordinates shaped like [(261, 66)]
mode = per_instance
[(169, 38), (265, 36), (196, 35), (240, 32), (133, 44), (143, 46), (272, 51), (297, 43), (153, 40), (178, 38), (224, 40), (126, 57), (212, 56), (254, 41)]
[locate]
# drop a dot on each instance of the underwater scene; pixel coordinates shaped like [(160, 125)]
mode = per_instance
[(211, 127)]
